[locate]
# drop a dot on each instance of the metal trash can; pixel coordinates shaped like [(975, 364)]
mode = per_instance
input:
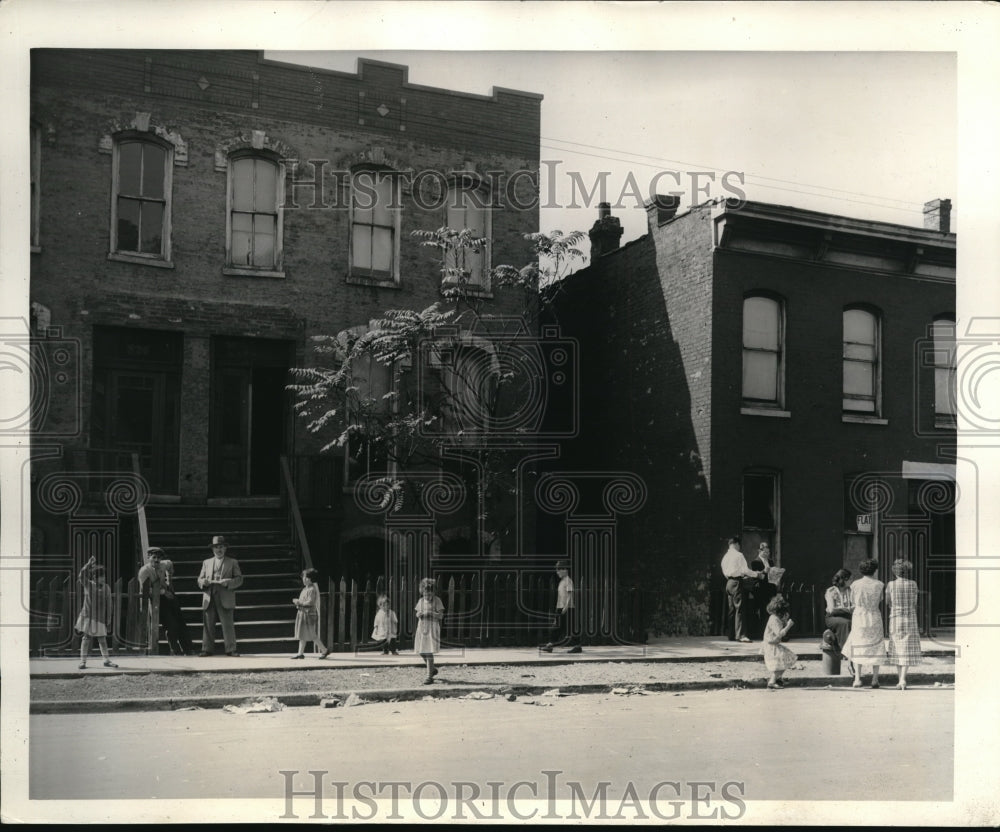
[(831, 653), (831, 662)]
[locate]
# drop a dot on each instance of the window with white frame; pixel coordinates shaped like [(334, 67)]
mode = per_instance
[(471, 379), (469, 209), (862, 370), (254, 220), (35, 161), (368, 408), (945, 393), (140, 207), (763, 345), (374, 225)]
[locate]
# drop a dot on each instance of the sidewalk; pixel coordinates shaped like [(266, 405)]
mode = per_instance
[(677, 649)]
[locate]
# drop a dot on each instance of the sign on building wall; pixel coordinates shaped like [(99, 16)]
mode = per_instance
[(865, 523)]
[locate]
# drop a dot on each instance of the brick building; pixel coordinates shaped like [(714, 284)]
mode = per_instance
[(198, 216), (776, 373)]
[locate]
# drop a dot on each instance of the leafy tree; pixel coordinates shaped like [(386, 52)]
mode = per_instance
[(426, 390)]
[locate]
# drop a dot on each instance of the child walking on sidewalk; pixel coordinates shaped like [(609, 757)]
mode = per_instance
[(94, 620), (777, 657), (427, 640), (307, 619)]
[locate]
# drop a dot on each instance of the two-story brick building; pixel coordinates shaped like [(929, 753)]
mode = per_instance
[(198, 216), (774, 373)]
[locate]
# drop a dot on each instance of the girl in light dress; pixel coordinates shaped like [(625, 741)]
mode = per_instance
[(307, 618), (904, 635), (866, 643), (427, 639), (94, 620), (777, 657)]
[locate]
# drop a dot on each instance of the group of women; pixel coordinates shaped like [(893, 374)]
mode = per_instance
[(854, 616)]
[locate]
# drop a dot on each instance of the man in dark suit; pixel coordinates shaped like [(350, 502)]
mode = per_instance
[(220, 576)]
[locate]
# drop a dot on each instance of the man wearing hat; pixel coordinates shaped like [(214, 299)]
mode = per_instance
[(563, 628), (159, 572), (220, 576)]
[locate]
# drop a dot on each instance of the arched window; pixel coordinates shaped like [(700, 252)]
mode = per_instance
[(469, 208), (945, 393), (254, 218), (140, 207), (763, 351), (862, 361), (374, 224)]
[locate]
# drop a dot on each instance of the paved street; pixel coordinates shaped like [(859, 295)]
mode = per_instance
[(776, 743)]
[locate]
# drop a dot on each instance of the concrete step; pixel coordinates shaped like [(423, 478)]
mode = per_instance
[(285, 564), (289, 581), (186, 539), (275, 596), (240, 551)]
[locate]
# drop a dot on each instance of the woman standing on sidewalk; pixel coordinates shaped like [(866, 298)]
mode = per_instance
[(866, 643), (307, 619), (904, 635)]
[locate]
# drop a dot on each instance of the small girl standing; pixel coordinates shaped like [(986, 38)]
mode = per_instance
[(427, 639), (307, 619), (94, 620), (386, 628), (777, 657)]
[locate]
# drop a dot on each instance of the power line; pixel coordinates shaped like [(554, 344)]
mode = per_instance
[(707, 167)]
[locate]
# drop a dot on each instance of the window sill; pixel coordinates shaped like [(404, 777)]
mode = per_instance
[(766, 411), (945, 423), (381, 282), (468, 292), (231, 271), (853, 418), (141, 261)]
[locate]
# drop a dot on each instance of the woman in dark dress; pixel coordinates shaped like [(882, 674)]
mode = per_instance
[(761, 592), (840, 607)]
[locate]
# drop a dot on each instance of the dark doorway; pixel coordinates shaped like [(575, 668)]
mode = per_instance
[(934, 502), (248, 416), (136, 399)]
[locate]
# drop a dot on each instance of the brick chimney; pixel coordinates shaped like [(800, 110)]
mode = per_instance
[(662, 208), (606, 234), (937, 215)]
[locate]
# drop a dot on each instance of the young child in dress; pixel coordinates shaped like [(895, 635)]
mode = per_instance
[(777, 657), (427, 640), (386, 627), (307, 620), (94, 620)]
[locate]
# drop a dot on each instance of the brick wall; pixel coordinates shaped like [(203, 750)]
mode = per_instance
[(642, 378), (81, 97), (814, 450)]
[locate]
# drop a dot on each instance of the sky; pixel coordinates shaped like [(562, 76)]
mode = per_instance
[(865, 134)]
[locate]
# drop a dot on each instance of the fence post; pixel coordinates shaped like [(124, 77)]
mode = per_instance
[(331, 595), (354, 614)]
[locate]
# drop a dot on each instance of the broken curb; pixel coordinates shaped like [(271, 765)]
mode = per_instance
[(444, 691)]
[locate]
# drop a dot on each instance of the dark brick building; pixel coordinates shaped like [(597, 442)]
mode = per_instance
[(777, 373), (198, 216)]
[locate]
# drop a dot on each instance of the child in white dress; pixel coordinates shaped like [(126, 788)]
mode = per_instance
[(94, 620), (427, 639), (385, 630), (777, 657)]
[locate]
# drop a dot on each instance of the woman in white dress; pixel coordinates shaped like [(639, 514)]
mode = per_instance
[(866, 643)]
